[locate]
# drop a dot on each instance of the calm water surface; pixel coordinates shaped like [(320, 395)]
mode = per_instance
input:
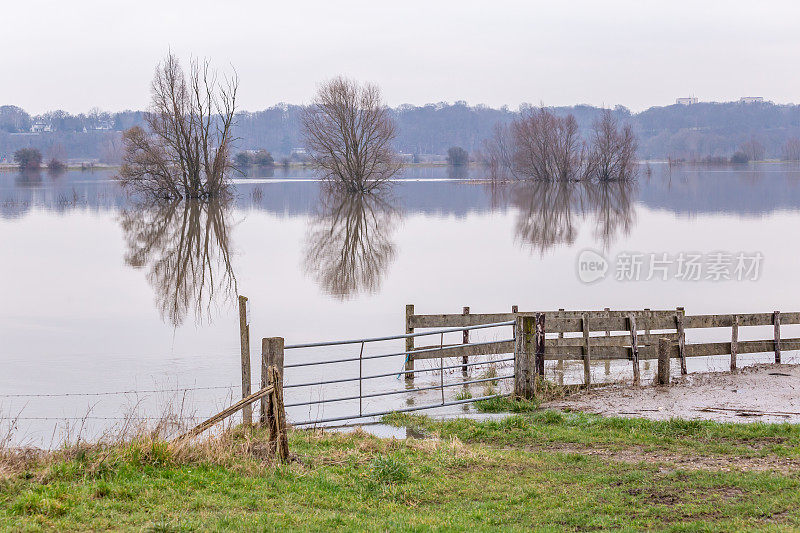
[(100, 294)]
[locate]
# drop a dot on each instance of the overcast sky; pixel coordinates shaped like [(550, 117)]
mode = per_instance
[(84, 53)]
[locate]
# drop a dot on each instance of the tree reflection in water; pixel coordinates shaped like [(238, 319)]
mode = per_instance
[(612, 207), (348, 244), (550, 212), (185, 247)]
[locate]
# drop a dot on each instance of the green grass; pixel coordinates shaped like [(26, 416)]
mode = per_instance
[(506, 404), (543, 428), (513, 474)]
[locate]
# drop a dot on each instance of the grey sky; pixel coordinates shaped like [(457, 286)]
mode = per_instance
[(83, 53)]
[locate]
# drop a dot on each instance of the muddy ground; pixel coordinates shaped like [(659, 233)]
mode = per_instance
[(763, 393)]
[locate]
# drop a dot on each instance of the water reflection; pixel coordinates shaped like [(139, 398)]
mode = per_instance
[(457, 172), (349, 241), (550, 212), (612, 206), (29, 178), (185, 247)]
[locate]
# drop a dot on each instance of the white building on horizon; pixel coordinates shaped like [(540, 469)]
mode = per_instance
[(751, 99), (687, 101)]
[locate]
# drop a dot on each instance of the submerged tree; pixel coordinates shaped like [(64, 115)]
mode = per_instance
[(457, 157), (754, 150), (348, 132), (543, 146), (28, 158), (547, 146), (185, 151), (348, 246), (185, 247), (791, 150), (613, 149)]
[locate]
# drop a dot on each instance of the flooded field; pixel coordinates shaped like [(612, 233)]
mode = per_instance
[(104, 296)]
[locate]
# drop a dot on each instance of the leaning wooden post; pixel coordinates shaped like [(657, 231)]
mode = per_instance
[(271, 355), (634, 349), (277, 414), (663, 361), (244, 338), (539, 342), (409, 343), (465, 340), (680, 313), (734, 340), (776, 320)]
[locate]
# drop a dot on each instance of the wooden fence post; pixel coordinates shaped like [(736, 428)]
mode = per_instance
[(663, 361), (647, 341), (560, 362), (276, 419), (607, 365), (409, 343), (465, 340), (587, 353), (776, 320), (734, 340), (679, 315), (540, 344), (244, 338), (514, 311), (634, 349), (271, 355), (522, 327)]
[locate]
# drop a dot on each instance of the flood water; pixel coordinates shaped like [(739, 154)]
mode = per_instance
[(103, 295)]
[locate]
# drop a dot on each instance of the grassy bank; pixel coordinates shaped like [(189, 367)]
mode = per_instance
[(541, 470)]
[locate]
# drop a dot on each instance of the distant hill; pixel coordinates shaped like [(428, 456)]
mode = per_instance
[(677, 131)]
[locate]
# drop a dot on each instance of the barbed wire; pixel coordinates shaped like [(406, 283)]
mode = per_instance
[(129, 418), (114, 393)]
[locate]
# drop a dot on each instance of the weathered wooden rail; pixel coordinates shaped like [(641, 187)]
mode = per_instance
[(601, 335)]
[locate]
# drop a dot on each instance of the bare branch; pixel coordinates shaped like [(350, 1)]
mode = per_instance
[(185, 152), (348, 132)]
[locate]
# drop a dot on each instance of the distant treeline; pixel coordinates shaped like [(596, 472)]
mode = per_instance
[(702, 131)]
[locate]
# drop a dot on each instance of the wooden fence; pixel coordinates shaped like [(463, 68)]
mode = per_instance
[(538, 336), (603, 335)]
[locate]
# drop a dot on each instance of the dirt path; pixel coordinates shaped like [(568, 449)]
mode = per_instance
[(763, 393)]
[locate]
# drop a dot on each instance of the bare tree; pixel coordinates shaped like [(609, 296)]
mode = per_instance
[(791, 150), (754, 150), (186, 151), (540, 145), (613, 153), (348, 132), (497, 152), (546, 146)]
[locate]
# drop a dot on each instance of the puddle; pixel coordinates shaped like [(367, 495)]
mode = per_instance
[(385, 431)]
